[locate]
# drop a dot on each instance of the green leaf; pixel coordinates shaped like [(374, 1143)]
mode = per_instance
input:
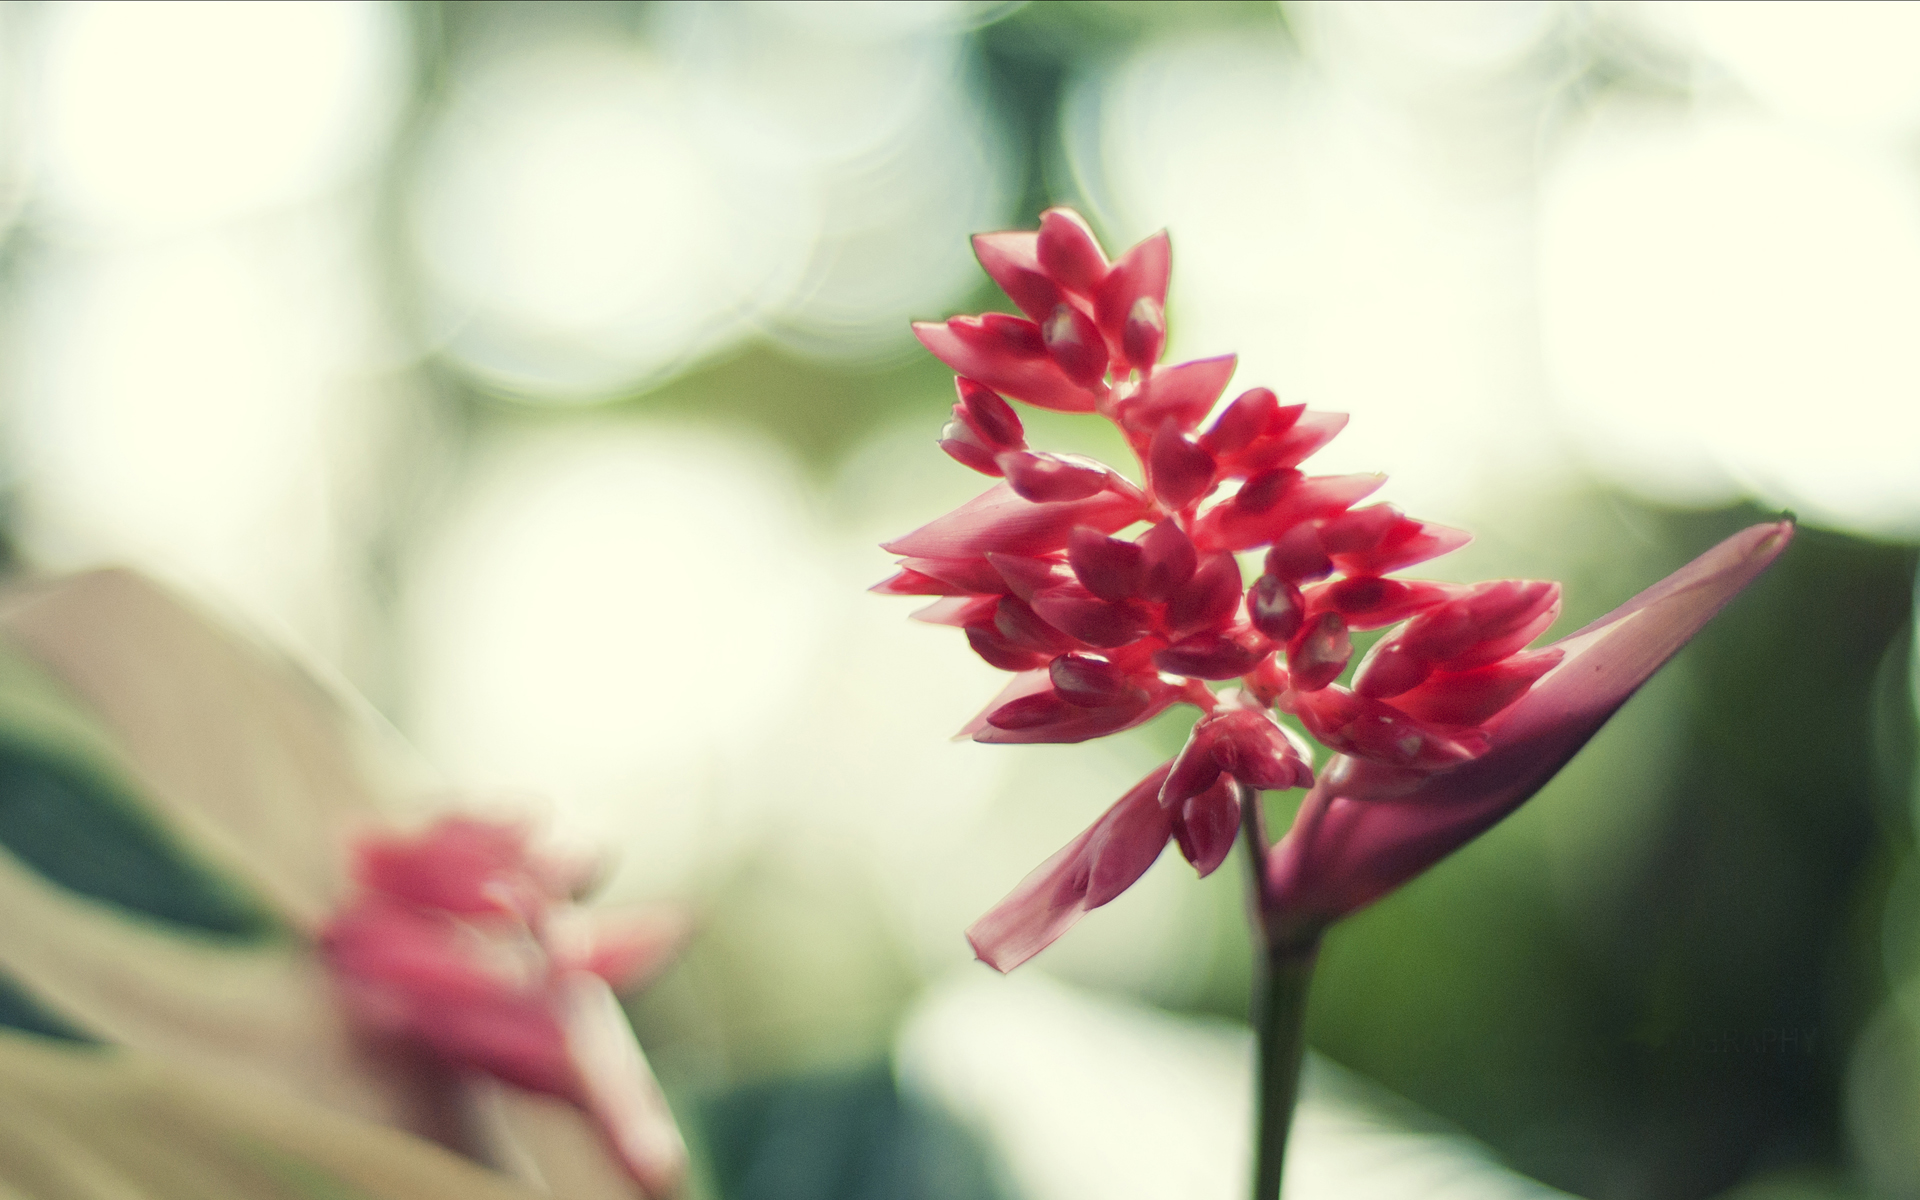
[(19, 1010), (256, 773), (85, 834)]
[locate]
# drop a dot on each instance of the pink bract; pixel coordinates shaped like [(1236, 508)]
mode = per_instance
[(1361, 833)]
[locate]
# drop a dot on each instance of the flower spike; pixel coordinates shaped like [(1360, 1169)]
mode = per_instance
[(1447, 723)]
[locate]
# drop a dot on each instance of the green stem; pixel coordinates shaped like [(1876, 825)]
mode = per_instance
[(1279, 1024), (1283, 970)]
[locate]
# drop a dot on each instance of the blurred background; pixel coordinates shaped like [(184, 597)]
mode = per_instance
[(543, 370)]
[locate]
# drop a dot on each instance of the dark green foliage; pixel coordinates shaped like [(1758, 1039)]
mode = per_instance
[(21, 1011), (79, 834), (841, 1136)]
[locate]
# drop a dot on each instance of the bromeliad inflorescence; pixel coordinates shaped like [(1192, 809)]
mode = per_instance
[(1112, 601), (1106, 628)]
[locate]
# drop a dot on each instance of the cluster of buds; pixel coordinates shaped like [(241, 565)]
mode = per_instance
[(466, 944), (1111, 601)]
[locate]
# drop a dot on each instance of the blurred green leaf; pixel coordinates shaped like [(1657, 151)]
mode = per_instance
[(842, 1135), (19, 1010), (80, 831)]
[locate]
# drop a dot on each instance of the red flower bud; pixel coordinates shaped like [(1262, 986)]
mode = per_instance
[(1008, 355), (1091, 682), (1050, 478), (1206, 600), (1208, 656), (1206, 825), (1254, 414), (1069, 253), (1318, 652), (1167, 558), (1110, 568), (1183, 394), (1075, 343), (1178, 470), (1011, 260), (1275, 607), (1141, 274)]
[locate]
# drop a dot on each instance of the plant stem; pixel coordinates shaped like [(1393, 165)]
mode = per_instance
[(1279, 1023), (1283, 970)]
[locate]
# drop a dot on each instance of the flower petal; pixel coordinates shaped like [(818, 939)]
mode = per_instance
[(994, 354), (1090, 870), (616, 1086), (998, 519)]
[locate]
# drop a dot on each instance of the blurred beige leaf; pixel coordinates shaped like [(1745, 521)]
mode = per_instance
[(92, 1124), (249, 759)]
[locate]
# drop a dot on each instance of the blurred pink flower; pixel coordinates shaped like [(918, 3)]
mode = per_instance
[(464, 942)]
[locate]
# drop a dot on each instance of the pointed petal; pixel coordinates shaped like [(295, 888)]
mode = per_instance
[(1294, 443), (1370, 602), (1069, 253), (1026, 575), (1168, 560), (1179, 470), (616, 1086), (1209, 656), (1344, 853), (999, 519), (1108, 567), (973, 576), (998, 650), (1010, 259), (1099, 623), (1075, 724), (1141, 274), (1473, 697), (1051, 478), (1378, 539), (1090, 682), (1208, 825), (913, 583), (1255, 413), (1075, 344), (1207, 599), (957, 611), (1183, 393), (1026, 683), (1273, 503), (1051, 899), (998, 356)]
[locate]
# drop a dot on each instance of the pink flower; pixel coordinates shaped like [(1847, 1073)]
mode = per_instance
[(466, 944), (1363, 832), (1104, 631)]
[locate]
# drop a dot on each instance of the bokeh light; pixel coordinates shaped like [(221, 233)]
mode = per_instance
[(618, 683), (240, 108), (1724, 304)]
